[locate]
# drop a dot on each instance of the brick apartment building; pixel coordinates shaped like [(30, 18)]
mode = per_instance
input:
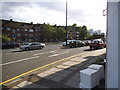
[(28, 32), (72, 33), (22, 32)]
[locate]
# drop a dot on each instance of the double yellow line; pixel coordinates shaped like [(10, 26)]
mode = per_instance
[(38, 68)]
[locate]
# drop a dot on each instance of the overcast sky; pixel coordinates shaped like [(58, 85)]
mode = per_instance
[(81, 12)]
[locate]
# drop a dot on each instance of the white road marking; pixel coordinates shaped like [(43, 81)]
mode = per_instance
[(58, 54), (64, 52), (39, 54), (54, 55), (19, 60), (43, 53), (51, 51)]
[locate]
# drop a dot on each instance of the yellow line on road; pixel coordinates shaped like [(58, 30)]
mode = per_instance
[(38, 68)]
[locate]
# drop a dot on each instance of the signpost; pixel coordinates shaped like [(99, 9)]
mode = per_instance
[(14, 37)]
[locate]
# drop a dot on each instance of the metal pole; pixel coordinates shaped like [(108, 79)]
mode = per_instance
[(66, 23)]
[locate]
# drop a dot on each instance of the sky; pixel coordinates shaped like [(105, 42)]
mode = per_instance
[(81, 12)]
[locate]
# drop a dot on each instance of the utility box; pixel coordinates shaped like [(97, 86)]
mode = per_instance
[(89, 78), (100, 69)]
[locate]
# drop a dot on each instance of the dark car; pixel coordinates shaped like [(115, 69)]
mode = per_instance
[(76, 43), (87, 42), (9, 45)]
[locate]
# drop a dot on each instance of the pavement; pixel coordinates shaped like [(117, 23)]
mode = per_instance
[(64, 74)]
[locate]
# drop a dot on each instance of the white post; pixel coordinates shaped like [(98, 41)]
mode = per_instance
[(113, 45)]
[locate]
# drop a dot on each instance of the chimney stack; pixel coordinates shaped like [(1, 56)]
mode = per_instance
[(11, 20), (31, 22)]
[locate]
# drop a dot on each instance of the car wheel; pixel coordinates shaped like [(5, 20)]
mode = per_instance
[(40, 47), (26, 49)]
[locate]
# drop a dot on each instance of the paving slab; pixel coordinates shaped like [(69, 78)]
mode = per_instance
[(63, 66), (69, 63), (50, 77), (75, 77), (67, 72), (36, 86), (49, 72), (15, 87), (24, 83), (73, 68), (73, 84), (57, 79), (59, 75), (55, 69), (77, 59), (43, 75)]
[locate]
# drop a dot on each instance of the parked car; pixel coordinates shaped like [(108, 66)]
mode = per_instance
[(97, 43), (76, 43), (9, 45), (87, 42), (33, 45), (68, 41)]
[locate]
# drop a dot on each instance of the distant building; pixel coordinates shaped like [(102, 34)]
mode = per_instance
[(91, 31), (97, 32)]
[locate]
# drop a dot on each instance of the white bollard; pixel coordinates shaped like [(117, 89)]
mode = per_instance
[(89, 78), (100, 68)]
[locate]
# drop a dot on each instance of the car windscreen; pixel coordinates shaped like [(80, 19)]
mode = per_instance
[(95, 41)]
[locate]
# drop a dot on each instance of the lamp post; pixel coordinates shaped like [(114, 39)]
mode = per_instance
[(66, 23)]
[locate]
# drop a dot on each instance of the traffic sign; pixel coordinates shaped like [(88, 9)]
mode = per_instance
[(14, 35)]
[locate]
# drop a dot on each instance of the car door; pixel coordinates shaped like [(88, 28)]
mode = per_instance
[(33, 46)]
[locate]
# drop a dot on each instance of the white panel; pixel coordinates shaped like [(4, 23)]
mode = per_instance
[(112, 46), (89, 78)]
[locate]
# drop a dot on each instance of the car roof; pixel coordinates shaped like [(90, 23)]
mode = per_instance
[(97, 40)]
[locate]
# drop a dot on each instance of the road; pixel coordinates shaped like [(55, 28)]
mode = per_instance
[(16, 62)]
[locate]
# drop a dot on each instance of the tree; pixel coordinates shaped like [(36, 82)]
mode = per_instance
[(74, 25), (84, 33), (60, 33), (5, 38)]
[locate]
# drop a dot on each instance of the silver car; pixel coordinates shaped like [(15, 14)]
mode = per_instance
[(33, 45)]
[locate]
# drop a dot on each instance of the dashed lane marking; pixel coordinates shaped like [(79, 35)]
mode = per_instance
[(19, 60)]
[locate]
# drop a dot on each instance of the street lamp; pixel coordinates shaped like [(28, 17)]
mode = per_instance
[(66, 23)]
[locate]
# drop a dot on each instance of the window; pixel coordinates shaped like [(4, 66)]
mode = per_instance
[(8, 28), (26, 34), (36, 30), (25, 30), (18, 29), (13, 30), (30, 30), (36, 34), (18, 34), (77, 35), (31, 35)]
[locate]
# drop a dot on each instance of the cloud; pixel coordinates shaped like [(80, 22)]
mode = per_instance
[(81, 12)]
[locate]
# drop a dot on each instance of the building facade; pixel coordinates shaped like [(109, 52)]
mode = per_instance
[(72, 33), (91, 32), (22, 32), (28, 32)]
